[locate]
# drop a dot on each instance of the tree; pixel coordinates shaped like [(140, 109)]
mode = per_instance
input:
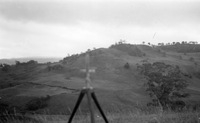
[(165, 84), (127, 66), (183, 42), (177, 43), (160, 44), (17, 63), (6, 67)]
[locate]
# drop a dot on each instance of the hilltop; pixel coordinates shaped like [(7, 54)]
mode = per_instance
[(115, 85)]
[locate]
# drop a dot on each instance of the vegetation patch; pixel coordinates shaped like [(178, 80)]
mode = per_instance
[(165, 85), (37, 103)]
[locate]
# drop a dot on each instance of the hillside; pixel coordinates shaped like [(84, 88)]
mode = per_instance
[(115, 85)]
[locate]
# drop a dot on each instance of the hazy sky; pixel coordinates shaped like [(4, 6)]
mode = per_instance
[(56, 27)]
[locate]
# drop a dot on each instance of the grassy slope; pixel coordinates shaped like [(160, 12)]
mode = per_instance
[(115, 86)]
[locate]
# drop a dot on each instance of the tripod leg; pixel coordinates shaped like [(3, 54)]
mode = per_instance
[(90, 106), (77, 105), (99, 107)]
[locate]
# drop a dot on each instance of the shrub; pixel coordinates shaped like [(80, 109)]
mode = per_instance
[(127, 66), (37, 103), (177, 105), (6, 67), (55, 67)]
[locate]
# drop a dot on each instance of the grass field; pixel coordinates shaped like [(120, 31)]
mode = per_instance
[(128, 116)]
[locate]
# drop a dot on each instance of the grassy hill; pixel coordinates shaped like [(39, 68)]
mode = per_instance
[(115, 85)]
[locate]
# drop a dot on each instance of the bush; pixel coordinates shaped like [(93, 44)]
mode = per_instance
[(55, 67), (127, 66), (177, 105), (37, 103), (6, 67)]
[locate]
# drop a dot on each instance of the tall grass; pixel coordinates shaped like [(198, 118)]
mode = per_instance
[(129, 116)]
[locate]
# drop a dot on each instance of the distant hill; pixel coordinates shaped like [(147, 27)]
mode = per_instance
[(38, 59)]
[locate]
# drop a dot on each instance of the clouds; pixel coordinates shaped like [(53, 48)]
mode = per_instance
[(128, 12), (36, 28), (19, 39)]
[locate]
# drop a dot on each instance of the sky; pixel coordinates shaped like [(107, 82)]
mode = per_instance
[(56, 28)]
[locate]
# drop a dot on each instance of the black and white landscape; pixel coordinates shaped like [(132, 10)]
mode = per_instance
[(144, 56)]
